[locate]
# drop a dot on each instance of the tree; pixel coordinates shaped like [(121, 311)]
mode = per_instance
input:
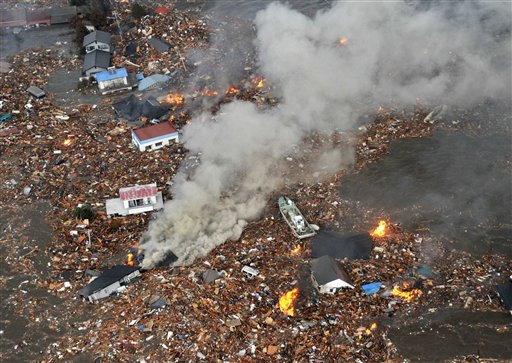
[(85, 211)]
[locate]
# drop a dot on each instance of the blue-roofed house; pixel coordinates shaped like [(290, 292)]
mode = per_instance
[(112, 80)]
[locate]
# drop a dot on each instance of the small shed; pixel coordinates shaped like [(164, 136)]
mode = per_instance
[(154, 137), (135, 200), (159, 45), (329, 276), (112, 80), (96, 61), (97, 40), (109, 282), (36, 92)]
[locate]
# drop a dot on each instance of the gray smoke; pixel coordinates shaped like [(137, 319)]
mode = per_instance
[(452, 53)]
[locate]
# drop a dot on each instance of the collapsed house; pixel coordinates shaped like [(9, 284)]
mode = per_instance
[(154, 137), (159, 45), (131, 108), (109, 282), (328, 276), (135, 200)]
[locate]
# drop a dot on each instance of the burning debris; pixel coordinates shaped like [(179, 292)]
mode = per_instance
[(297, 250), (343, 41), (405, 292), (173, 99), (287, 302), (380, 230), (232, 90)]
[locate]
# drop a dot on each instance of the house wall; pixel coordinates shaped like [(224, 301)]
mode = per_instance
[(105, 292), (333, 285), (97, 45), (117, 82), (155, 143)]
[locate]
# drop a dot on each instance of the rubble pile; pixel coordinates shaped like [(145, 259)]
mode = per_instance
[(84, 156)]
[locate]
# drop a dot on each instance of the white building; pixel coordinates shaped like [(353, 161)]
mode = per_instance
[(112, 80), (154, 137), (328, 275), (135, 200)]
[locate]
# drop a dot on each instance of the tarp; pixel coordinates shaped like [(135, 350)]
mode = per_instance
[(342, 245), (131, 108)]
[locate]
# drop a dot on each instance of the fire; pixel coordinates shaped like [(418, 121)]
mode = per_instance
[(209, 93), (130, 261), (232, 90), (287, 300), (406, 295), (371, 328), (174, 98), (67, 142), (380, 231), (343, 41), (296, 250), (258, 82)]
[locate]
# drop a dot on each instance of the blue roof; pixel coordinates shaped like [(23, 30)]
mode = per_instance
[(111, 74)]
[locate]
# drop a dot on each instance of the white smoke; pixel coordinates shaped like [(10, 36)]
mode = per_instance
[(453, 53)]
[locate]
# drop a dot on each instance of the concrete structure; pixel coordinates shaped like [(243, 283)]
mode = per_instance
[(113, 80), (135, 200), (97, 40), (328, 275), (109, 282), (154, 137)]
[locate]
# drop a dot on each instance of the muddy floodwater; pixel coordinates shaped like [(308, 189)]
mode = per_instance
[(454, 186)]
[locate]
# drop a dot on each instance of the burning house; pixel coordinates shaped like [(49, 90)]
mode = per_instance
[(135, 200), (109, 282), (328, 276)]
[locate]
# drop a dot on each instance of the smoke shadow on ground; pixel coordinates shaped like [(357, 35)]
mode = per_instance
[(457, 186)]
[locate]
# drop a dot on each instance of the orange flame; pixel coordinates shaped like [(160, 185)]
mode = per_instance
[(287, 300), (296, 250), (208, 92), (130, 259), (371, 328), (406, 295), (380, 231), (343, 41), (258, 82), (174, 98), (232, 90), (67, 142)]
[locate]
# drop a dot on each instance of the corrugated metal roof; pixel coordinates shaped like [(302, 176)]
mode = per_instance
[(97, 36), (152, 81), (96, 58), (138, 192), (111, 74), (150, 132)]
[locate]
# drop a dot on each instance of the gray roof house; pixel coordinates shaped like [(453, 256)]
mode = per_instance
[(96, 61), (109, 282), (159, 45), (328, 275), (97, 40)]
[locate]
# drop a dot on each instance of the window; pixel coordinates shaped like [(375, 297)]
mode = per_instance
[(158, 144), (135, 203), (148, 148)]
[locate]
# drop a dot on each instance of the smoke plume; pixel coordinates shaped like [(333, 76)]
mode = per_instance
[(451, 53)]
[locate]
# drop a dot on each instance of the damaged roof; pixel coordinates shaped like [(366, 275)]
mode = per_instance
[(138, 192), (326, 269), (159, 45), (107, 278)]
